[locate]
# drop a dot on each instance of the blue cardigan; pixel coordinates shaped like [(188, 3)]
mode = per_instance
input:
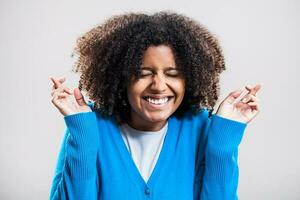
[(198, 160)]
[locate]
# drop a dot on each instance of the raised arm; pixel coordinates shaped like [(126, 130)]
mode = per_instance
[(218, 172), (76, 173), (219, 176)]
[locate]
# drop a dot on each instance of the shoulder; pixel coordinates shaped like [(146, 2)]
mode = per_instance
[(194, 122), (100, 116), (196, 116), (192, 127)]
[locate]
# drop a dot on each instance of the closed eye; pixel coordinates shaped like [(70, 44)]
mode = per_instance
[(172, 72), (149, 72), (144, 72)]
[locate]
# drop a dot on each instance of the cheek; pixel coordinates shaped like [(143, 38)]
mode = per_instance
[(134, 92), (132, 97), (179, 88)]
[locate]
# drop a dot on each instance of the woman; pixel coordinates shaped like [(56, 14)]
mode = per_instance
[(149, 132)]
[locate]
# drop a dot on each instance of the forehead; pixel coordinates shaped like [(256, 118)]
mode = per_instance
[(159, 56)]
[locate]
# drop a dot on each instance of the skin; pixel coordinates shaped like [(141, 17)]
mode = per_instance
[(242, 111), (67, 101), (160, 77)]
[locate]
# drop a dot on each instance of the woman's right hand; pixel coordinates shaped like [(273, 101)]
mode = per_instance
[(63, 98)]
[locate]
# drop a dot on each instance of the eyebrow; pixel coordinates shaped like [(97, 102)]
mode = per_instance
[(151, 69)]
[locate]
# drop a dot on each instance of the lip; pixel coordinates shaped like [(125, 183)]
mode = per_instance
[(157, 96)]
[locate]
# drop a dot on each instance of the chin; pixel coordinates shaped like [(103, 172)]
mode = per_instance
[(159, 117)]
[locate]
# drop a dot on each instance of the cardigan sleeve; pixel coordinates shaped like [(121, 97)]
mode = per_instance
[(76, 173), (219, 176)]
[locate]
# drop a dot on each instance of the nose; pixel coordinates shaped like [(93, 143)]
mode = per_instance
[(158, 83)]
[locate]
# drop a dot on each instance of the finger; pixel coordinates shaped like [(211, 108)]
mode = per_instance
[(241, 96), (54, 85), (57, 82), (255, 107), (249, 97), (250, 110), (240, 105), (233, 96), (56, 99), (253, 90), (61, 80), (55, 91), (68, 90), (62, 89), (79, 97), (249, 101), (236, 93), (255, 104), (62, 95)]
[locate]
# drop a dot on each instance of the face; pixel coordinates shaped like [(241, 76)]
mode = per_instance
[(158, 92)]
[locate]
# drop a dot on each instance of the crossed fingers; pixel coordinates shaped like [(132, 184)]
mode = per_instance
[(58, 89)]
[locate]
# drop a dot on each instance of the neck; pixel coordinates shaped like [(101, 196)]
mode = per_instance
[(143, 125)]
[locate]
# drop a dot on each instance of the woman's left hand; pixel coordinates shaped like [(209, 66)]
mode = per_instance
[(242, 111)]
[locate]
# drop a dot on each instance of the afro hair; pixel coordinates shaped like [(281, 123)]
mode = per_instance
[(111, 54)]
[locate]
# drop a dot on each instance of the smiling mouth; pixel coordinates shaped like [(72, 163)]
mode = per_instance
[(158, 101)]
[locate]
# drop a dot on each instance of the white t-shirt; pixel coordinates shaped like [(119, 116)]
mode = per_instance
[(144, 147)]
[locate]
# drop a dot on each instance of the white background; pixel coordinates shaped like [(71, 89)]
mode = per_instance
[(260, 40)]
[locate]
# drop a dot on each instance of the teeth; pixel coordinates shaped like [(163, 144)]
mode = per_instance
[(157, 101)]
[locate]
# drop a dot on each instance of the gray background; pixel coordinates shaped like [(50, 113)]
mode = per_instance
[(261, 45)]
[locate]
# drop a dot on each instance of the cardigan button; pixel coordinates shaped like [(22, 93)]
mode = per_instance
[(147, 191)]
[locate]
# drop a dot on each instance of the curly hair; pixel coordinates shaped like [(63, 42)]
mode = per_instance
[(110, 55)]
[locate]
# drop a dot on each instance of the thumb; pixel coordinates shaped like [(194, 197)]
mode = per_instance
[(79, 97)]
